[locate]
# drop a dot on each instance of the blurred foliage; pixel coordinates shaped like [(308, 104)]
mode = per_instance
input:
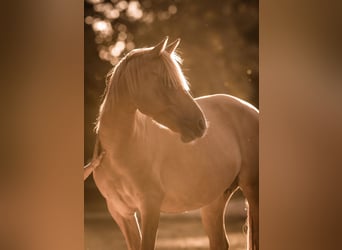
[(219, 44)]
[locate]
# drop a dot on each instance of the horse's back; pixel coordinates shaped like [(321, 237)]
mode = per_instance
[(226, 102), (232, 109)]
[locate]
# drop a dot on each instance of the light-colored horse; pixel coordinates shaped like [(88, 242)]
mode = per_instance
[(166, 151)]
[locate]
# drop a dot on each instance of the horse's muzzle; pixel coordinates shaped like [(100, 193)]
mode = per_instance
[(194, 132)]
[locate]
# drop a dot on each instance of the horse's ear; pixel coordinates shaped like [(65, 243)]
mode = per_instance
[(160, 47), (173, 46)]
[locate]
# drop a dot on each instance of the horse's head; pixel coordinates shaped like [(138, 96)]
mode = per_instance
[(161, 91)]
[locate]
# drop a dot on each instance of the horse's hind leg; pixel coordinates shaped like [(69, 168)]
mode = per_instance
[(251, 192), (213, 221), (129, 227)]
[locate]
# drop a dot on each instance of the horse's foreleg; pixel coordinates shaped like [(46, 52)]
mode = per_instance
[(150, 213), (129, 227), (213, 222)]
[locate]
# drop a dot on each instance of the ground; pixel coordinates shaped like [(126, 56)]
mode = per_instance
[(181, 231)]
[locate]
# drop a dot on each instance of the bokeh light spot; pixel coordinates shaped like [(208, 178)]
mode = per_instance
[(134, 10), (148, 17), (121, 27), (94, 1), (122, 36), (102, 7), (130, 46), (163, 15), (122, 5), (100, 25), (103, 27), (89, 20), (172, 9), (112, 14), (104, 55), (118, 48), (114, 60), (130, 37)]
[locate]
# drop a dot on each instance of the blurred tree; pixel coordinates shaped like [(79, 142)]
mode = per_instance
[(219, 44)]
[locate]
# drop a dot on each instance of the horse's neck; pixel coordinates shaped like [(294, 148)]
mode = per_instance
[(117, 123)]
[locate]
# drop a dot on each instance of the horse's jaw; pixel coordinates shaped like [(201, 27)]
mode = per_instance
[(187, 139), (189, 135)]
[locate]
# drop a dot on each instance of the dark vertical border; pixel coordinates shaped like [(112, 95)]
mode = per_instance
[(42, 134), (300, 125)]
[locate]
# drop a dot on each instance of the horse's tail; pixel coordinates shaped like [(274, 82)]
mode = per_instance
[(88, 169), (97, 148)]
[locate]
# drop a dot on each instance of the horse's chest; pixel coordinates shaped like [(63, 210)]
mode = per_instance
[(119, 190), (123, 198)]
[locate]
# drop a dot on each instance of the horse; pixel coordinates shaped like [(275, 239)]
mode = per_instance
[(168, 152)]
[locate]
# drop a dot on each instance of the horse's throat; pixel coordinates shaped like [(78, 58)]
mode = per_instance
[(117, 128)]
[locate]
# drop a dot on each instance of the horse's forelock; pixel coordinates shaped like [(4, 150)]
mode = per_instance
[(172, 63)]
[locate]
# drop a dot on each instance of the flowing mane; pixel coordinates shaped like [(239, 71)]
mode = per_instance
[(127, 72)]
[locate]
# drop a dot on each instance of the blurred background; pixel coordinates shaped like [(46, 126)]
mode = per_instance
[(219, 46)]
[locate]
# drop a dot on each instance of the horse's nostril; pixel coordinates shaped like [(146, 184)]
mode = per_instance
[(201, 124)]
